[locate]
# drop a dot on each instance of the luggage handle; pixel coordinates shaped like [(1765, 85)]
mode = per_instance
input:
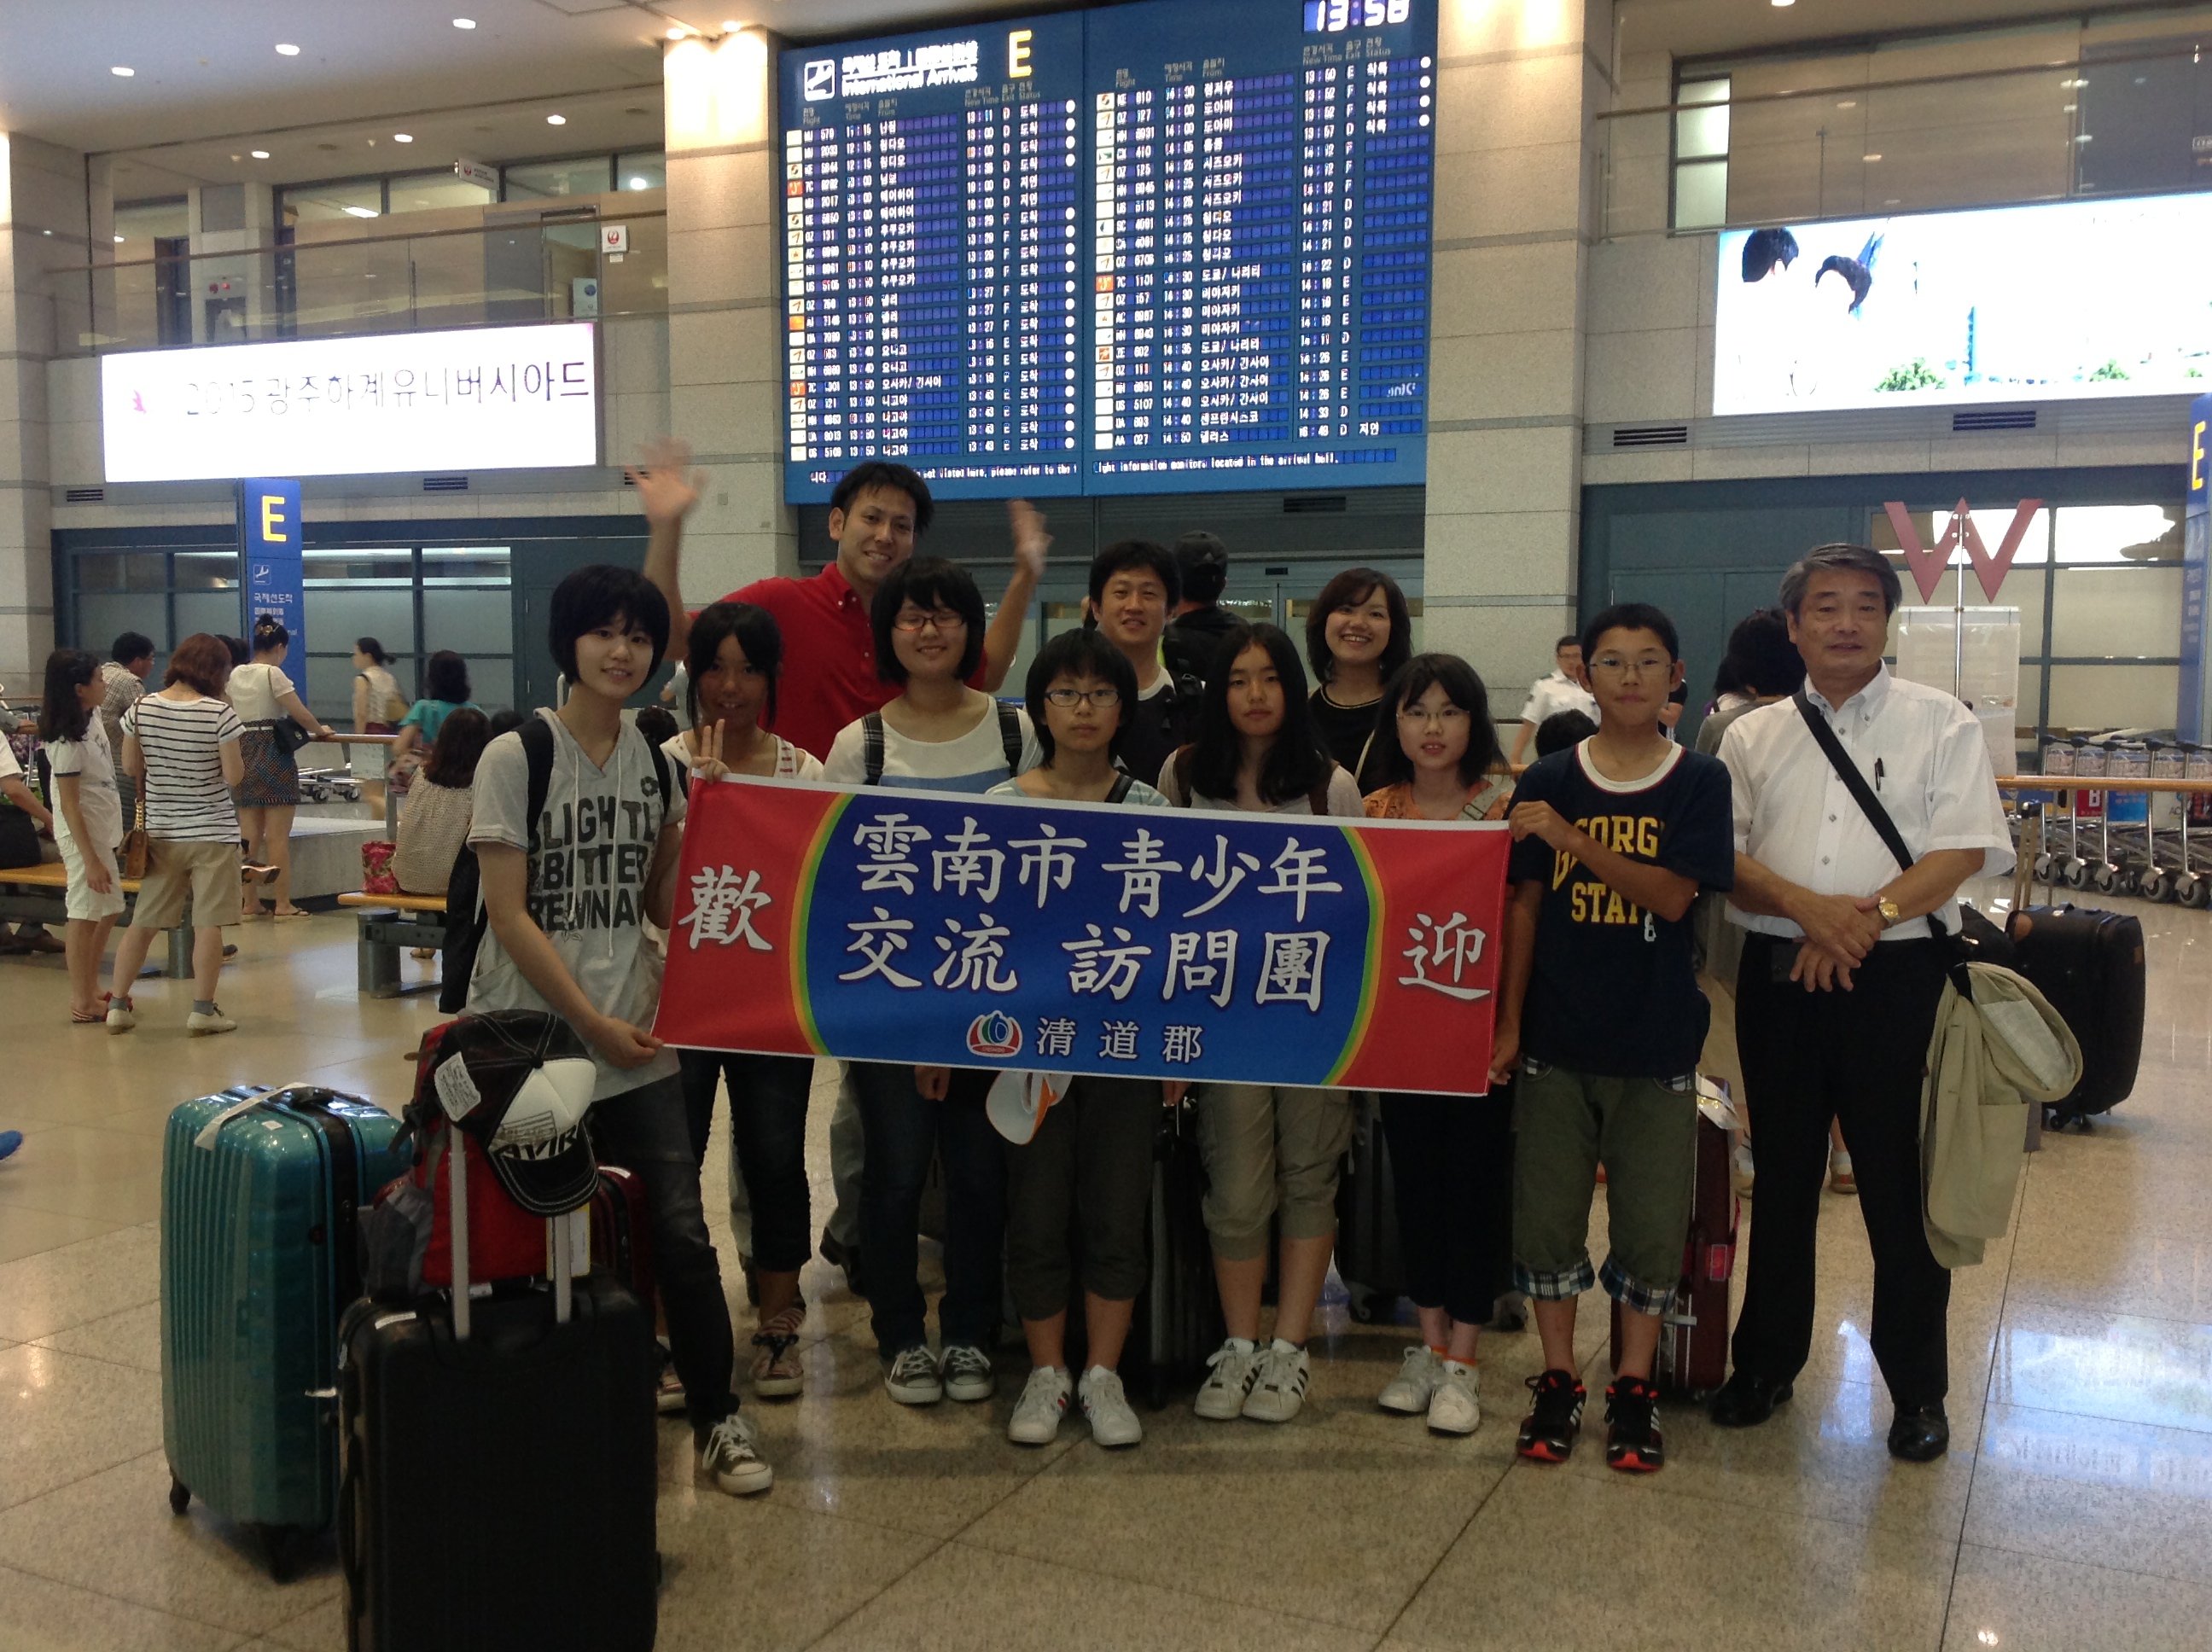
[(456, 1205)]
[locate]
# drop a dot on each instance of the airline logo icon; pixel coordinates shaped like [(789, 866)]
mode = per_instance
[(995, 1035), (821, 80)]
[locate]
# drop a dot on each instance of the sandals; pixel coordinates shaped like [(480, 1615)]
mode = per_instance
[(291, 912), (97, 1018)]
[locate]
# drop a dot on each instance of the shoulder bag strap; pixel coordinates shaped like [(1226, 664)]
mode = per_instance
[(1122, 782), (1010, 735), (1861, 793), (871, 748)]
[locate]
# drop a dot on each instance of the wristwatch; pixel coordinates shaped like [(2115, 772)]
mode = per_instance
[(1892, 914)]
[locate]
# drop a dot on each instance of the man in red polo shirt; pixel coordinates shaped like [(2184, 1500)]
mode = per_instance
[(877, 514)]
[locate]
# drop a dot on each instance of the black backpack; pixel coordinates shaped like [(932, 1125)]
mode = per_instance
[(872, 741), (467, 918)]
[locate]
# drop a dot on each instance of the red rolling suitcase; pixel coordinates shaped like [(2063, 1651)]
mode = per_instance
[(1693, 1332)]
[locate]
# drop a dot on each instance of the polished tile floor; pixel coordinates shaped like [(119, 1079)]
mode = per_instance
[(2074, 1511)]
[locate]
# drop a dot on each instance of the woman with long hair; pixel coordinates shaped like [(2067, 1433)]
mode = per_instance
[(268, 796), (444, 691), (435, 821), (1359, 632), (89, 823)]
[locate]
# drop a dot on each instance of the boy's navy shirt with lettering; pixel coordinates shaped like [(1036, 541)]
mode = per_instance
[(1614, 989)]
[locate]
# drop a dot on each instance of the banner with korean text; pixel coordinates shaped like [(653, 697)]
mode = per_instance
[(898, 925)]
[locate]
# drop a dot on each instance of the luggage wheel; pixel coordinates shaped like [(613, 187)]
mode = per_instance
[(180, 1498), (1369, 1307), (280, 1544)]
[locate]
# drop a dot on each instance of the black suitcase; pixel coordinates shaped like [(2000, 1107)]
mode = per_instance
[(1177, 1323), (498, 1466), (2090, 965), (1369, 1259)]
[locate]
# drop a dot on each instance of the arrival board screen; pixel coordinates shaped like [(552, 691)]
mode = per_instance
[(1144, 248)]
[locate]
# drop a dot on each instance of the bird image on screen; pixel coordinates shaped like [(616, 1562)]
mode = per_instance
[(1858, 273)]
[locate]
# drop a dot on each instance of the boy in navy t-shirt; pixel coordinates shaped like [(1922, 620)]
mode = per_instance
[(1601, 1011)]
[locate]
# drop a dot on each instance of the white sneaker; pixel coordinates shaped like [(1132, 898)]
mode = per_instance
[(1456, 1406), (1112, 1422), (121, 1017), (1417, 1378), (967, 1372), (1231, 1369), (1741, 1168), (1036, 1414), (214, 1021), (730, 1455), (1280, 1389), (911, 1379)]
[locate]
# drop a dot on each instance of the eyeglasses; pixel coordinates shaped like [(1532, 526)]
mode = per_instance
[(1445, 716), (1068, 699), (1613, 665), (943, 618)]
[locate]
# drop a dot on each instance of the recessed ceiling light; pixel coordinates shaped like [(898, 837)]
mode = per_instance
[(464, 22), (730, 26), (260, 155), (1783, 3), (120, 69), (678, 32), (556, 120), (118, 241), (403, 138), (1848, 103), (1870, 157), (288, 50), (360, 212)]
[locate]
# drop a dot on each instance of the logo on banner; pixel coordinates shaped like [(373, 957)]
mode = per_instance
[(1927, 564), (995, 1035), (821, 80)]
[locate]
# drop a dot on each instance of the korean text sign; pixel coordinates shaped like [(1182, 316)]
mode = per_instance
[(483, 399), (911, 926)]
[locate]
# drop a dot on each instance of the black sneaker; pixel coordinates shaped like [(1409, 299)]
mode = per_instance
[(1547, 1436), (1632, 1441)]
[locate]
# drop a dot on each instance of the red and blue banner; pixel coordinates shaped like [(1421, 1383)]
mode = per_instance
[(881, 924)]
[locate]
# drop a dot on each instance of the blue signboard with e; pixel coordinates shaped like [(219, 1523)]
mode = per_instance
[(2190, 718), (270, 549)]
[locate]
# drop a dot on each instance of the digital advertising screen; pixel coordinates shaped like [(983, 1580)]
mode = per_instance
[(2001, 304), (1141, 248)]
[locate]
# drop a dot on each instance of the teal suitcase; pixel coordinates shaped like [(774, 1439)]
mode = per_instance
[(260, 1195)]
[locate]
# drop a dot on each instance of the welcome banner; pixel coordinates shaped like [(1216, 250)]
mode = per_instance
[(887, 925)]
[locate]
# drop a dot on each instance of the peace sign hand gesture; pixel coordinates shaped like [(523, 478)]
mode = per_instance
[(706, 762)]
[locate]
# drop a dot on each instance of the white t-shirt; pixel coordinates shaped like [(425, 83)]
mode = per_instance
[(93, 764), (973, 762), (588, 875), (255, 690), (791, 762), (186, 800), (1557, 693)]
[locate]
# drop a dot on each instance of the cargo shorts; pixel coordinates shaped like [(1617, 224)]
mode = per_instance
[(1644, 1131)]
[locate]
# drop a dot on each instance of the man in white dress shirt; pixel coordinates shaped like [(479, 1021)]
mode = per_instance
[(1567, 688), (1837, 995)]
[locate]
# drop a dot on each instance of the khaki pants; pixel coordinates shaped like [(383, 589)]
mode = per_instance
[(1270, 1149)]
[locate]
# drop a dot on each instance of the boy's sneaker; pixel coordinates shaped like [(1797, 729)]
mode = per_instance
[(200, 1022), (1456, 1406), (777, 1374), (1036, 1414), (669, 1399), (1840, 1178), (121, 1017), (1417, 1382), (1278, 1390), (1112, 1422), (730, 1454), (911, 1379), (1632, 1442), (1231, 1369), (1547, 1433), (967, 1372), (1740, 1170)]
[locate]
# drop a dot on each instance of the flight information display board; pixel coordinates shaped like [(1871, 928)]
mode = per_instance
[(1143, 248), (933, 224)]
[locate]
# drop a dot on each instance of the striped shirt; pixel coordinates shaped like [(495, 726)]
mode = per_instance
[(186, 801)]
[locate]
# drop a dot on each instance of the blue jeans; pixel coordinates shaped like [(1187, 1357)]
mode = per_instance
[(647, 1131), (768, 1141), (904, 1133)]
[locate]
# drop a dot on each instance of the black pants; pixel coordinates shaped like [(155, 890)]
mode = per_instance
[(1859, 1057), (1091, 1160), (1451, 1163), (768, 1141)]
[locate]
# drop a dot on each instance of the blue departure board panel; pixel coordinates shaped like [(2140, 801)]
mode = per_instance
[(1145, 248), (1261, 174), (933, 216)]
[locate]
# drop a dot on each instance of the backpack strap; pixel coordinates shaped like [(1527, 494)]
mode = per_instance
[(871, 748), (1179, 767), (1010, 735), (661, 773), (1119, 791), (1318, 800)]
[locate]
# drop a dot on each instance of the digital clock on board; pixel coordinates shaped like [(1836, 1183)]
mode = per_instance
[(1337, 16)]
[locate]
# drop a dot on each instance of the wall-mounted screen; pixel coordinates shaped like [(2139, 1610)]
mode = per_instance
[(1141, 248), (2003, 304), (489, 398)]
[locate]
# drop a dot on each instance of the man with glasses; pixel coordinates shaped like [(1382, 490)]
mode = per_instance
[(1841, 977), (1567, 688), (1598, 1007)]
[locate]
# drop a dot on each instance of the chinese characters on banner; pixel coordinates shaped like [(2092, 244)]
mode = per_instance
[(968, 931)]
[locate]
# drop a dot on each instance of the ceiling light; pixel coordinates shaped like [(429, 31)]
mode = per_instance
[(360, 212), (556, 120), (678, 32), (639, 183), (120, 69), (288, 50), (464, 22), (1848, 103), (118, 241), (260, 155), (1782, 2), (1870, 157), (403, 138), (729, 27)]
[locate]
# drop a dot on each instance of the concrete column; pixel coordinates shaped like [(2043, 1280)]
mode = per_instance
[(724, 311), (42, 226), (1518, 83)]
